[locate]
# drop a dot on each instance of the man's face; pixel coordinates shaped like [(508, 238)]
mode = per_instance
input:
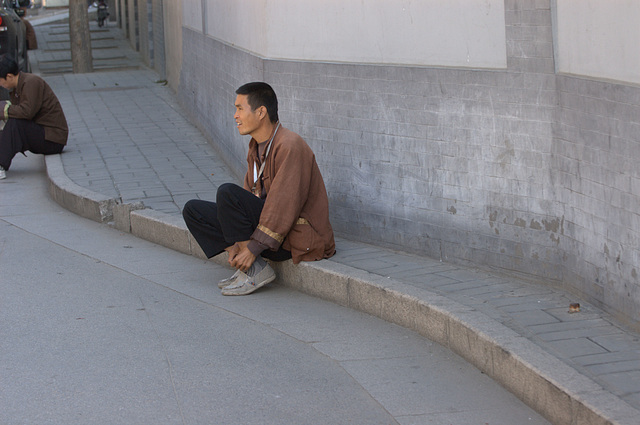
[(10, 82), (247, 120)]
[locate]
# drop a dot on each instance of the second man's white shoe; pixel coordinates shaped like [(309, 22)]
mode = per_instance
[(245, 285)]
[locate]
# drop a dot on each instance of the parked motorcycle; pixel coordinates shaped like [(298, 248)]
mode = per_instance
[(103, 13)]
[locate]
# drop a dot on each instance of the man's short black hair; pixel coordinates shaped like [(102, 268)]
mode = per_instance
[(261, 94), (8, 65)]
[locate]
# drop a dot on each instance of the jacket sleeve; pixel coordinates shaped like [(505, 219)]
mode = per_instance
[(287, 192), (30, 101)]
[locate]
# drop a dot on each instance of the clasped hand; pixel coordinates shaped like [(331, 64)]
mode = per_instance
[(240, 257)]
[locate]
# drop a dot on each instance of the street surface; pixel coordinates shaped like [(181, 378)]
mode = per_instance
[(99, 327)]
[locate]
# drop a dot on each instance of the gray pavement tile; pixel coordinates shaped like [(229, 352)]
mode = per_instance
[(633, 398), (458, 285), (604, 358), (200, 186), (370, 264), (534, 317), (621, 341), (154, 192), (487, 310), (162, 203), (615, 367), (405, 259), (411, 272), (623, 383), (585, 313), (428, 280), (514, 302), (148, 179), (567, 326), (130, 185), (180, 200), (349, 244), (98, 183), (205, 196), (581, 333), (398, 271), (131, 194), (464, 275), (438, 267), (347, 254), (576, 347), (487, 291)]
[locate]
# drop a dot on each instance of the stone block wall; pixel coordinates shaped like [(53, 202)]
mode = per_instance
[(519, 170), (595, 169)]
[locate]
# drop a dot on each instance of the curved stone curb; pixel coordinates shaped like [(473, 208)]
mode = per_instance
[(548, 385), (166, 230), (74, 198)]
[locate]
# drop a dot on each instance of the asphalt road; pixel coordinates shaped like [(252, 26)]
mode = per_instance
[(98, 326)]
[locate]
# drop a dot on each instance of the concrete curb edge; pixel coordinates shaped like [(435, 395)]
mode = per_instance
[(74, 198)]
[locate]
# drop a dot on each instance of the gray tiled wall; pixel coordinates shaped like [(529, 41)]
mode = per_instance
[(520, 170)]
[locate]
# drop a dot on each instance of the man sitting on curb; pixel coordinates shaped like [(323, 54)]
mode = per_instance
[(283, 210), (34, 118)]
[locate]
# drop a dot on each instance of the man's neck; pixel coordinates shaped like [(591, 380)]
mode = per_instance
[(263, 134)]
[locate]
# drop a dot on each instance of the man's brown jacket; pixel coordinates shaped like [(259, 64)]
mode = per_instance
[(34, 100), (296, 210)]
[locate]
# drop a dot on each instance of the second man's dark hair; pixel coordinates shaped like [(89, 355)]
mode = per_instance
[(8, 66), (261, 94)]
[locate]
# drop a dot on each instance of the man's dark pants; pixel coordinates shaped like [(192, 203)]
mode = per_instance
[(21, 136), (232, 218)]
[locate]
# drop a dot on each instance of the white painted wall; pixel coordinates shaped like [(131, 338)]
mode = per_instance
[(55, 3), (594, 38), (192, 14), (459, 33), (599, 38)]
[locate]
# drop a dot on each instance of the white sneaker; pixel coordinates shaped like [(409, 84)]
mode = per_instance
[(3, 174)]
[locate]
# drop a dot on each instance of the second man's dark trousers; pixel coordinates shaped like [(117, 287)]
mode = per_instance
[(232, 218), (21, 136)]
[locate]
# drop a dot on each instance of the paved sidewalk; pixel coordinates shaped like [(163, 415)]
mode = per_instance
[(131, 144)]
